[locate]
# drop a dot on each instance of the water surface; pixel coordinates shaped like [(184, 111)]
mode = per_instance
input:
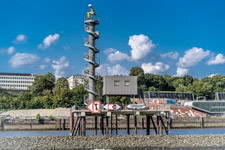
[(120, 132)]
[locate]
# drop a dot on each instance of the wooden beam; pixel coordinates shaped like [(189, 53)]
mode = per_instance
[(135, 124), (155, 128), (147, 125), (158, 129), (107, 126), (77, 124), (166, 130), (111, 121), (128, 124), (102, 124), (74, 126), (96, 125), (116, 126), (71, 121)]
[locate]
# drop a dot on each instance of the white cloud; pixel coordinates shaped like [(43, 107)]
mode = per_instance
[(109, 50), (106, 69), (47, 60), (20, 38), (117, 56), (61, 67), (219, 59), (10, 50), (192, 57), (49, 40), (23, 60), (171, 55), (158, 68), (211, 75), (181, 72), (141, 46)]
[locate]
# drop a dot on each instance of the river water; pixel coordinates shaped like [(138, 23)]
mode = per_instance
[(120, 132)]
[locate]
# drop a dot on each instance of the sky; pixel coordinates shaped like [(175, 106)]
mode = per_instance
[(162, 37)]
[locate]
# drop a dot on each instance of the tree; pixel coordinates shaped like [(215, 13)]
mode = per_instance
[(201, 89), (62, 83), (41, 83), (187, 80), (78, 95), (139, 72), (135, 71), (169, 82), (61, 94)]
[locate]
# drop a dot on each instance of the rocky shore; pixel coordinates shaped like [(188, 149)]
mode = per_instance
[(142, 142)]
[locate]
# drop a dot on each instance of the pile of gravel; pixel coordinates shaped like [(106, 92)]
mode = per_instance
[(133, 142)]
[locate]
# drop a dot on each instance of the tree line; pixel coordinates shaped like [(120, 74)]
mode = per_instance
[(205, 87), (46, 92)]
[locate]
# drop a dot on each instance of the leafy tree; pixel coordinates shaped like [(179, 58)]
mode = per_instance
[(41, 83), (135, 71), (187, 80), (139, 72), (178, 82), (201, 89), (169, 82), (62, 83), (78, 94)]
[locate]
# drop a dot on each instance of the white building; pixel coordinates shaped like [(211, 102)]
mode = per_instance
[(75, 80), (16, 81)]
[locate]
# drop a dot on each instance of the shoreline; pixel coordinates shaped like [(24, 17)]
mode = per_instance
[(116, 142)]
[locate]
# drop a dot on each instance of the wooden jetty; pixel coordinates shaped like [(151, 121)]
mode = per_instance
[(78, 121)]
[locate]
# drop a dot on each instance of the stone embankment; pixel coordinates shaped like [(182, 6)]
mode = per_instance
[(142, 142)]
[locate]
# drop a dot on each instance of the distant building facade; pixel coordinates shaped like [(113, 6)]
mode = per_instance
[(16, 81), (75, 80)]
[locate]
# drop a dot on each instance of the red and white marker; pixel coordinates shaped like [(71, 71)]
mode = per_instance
[(94, 107), (112, 106)]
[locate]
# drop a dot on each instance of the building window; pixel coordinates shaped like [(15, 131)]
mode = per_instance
[(116, 83), (126, 83)]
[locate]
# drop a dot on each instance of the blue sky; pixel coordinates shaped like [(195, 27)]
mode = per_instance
[(163, 37)]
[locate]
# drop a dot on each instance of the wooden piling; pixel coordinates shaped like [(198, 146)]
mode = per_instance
[(158, 129), (77, 125), (153, 123), (96, 125), (102, 124), (142, 123), (147, 125), (160, 125), (165, 128), (71, 121), (128, 124), (135, 124), (111, 121), (202, 122), (83, 126), (107, 126), (64, 124), (116, 126)]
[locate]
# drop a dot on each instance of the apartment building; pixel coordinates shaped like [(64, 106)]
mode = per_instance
[(16, 81)]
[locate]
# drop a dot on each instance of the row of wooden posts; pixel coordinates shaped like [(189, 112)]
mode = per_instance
[(78, 126)]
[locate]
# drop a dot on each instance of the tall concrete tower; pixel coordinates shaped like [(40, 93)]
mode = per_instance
[(90, 22)]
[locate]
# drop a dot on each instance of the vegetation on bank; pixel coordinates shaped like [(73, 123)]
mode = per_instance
[(48, 93)]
